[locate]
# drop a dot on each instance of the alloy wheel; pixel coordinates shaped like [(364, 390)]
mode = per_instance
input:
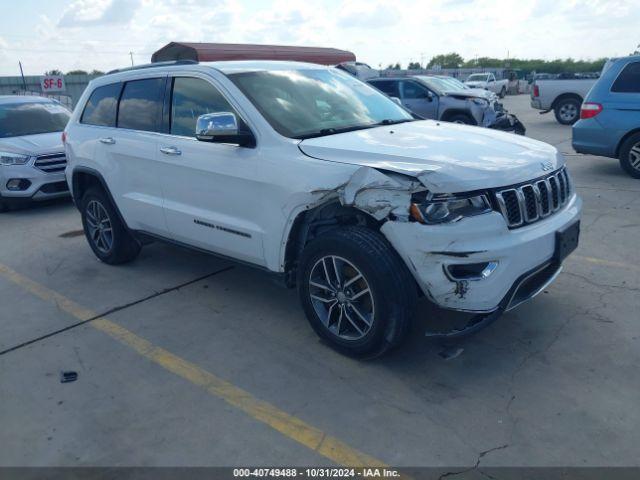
[(568, 112), (634, 156), (341, 297), (99, 226)]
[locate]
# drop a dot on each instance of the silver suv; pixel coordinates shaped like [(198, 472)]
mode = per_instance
[(32, 159)]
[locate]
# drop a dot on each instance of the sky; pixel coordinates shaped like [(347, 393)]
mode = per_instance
[(105, 34)]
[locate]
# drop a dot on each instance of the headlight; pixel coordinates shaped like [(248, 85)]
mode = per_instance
[(480, 101), (7, 158), (450, 208)]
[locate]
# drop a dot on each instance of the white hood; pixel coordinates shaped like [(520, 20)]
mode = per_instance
[(445, 157), (33, 144)]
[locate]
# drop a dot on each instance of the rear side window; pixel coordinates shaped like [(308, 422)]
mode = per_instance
[(141, 105), (629, 79), (102, 106), (389, 88), (191, 98)]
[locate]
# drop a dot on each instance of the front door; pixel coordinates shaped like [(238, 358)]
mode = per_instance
[(417, 98), (211, 190)]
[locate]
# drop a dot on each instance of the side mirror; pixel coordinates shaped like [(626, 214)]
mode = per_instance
[(222, 127), (430, 96), (396, 100)]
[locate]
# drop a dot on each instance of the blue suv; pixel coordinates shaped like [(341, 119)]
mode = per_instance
[(609, 122)]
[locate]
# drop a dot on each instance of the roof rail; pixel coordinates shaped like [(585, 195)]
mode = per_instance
[(153, 65)]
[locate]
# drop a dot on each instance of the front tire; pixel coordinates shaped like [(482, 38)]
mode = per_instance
[(567, 110), (630, 155), (356, 291), (108, 237), (503, 92), (461, 118), (4, 206)]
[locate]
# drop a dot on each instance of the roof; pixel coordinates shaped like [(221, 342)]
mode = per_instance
[(4, 99), (206, 52)]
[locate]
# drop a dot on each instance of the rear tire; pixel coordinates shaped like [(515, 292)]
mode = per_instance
[(108, 237), (567, 110), (630, 155), (366, 308), (503, 92)]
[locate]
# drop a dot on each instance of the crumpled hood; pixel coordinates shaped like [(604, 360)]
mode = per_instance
[(469, 93), (33, 144), (445, 157)]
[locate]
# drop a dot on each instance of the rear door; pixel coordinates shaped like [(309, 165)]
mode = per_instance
[(129, 153), (415, 97)]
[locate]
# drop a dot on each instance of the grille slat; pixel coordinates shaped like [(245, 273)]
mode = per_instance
[(525, 204), (52, 163)]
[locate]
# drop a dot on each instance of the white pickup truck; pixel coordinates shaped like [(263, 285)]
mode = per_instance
[(564, 97), (488, 82)]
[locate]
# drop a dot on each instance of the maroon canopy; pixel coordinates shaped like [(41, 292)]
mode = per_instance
[(208, 52)]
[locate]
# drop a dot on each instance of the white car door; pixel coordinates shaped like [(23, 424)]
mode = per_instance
[(126, 154), (211, 190)]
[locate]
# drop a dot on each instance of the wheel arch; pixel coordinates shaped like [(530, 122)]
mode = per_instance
[(624, 139), (562, 96), (311, 222), (447, 114), (82, 179)]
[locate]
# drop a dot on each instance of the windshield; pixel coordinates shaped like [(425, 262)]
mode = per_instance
[(478, 77), (441, 84), (17, 119), (316, 102), (455, 83)]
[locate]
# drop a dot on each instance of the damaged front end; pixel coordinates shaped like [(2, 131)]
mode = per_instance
[(458, 247), (507, 122)]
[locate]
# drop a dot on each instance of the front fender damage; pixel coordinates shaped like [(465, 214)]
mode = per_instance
[(381, 195)]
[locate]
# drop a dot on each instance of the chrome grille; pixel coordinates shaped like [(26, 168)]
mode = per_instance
[(53, 163), (527, 203)]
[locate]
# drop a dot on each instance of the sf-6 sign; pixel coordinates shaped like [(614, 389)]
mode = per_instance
[(52, 83)]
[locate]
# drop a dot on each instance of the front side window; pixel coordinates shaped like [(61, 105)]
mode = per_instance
[(191, 98), (102, 106), (32, 118), (414, 91), (629, 79), (141, 105), (316, 102)]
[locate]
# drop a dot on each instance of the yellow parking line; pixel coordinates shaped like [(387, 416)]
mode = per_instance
[(290, 426), (606, 263)]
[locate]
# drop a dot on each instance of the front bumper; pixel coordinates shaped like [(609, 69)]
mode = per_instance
[(429, 249), (42, 185)]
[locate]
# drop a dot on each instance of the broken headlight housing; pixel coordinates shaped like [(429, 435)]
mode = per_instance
[(8, 158), (450, 208)]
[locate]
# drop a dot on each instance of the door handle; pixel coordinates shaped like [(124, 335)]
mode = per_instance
[(171, 151), (108, 140)]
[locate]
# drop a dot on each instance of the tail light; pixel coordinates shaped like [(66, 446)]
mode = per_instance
[(536, 91), (590, 110)]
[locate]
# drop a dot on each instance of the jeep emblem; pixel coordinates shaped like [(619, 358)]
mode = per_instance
[(546, 166)]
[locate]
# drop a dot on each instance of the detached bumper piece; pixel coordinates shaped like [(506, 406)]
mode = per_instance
[(508, 122)]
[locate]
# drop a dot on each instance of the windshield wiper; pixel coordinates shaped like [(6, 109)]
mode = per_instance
[(388, 121), (332, 131)]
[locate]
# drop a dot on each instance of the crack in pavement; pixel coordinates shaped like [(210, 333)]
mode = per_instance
[(114, 310), (598, 284), (477, 464)]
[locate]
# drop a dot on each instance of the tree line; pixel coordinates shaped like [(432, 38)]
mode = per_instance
[(559, 65)]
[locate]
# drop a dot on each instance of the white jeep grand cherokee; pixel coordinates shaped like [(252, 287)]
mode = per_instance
[(309, 173)]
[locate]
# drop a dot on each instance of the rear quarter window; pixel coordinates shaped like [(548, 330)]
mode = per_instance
[(628, 80), (102, 106)]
